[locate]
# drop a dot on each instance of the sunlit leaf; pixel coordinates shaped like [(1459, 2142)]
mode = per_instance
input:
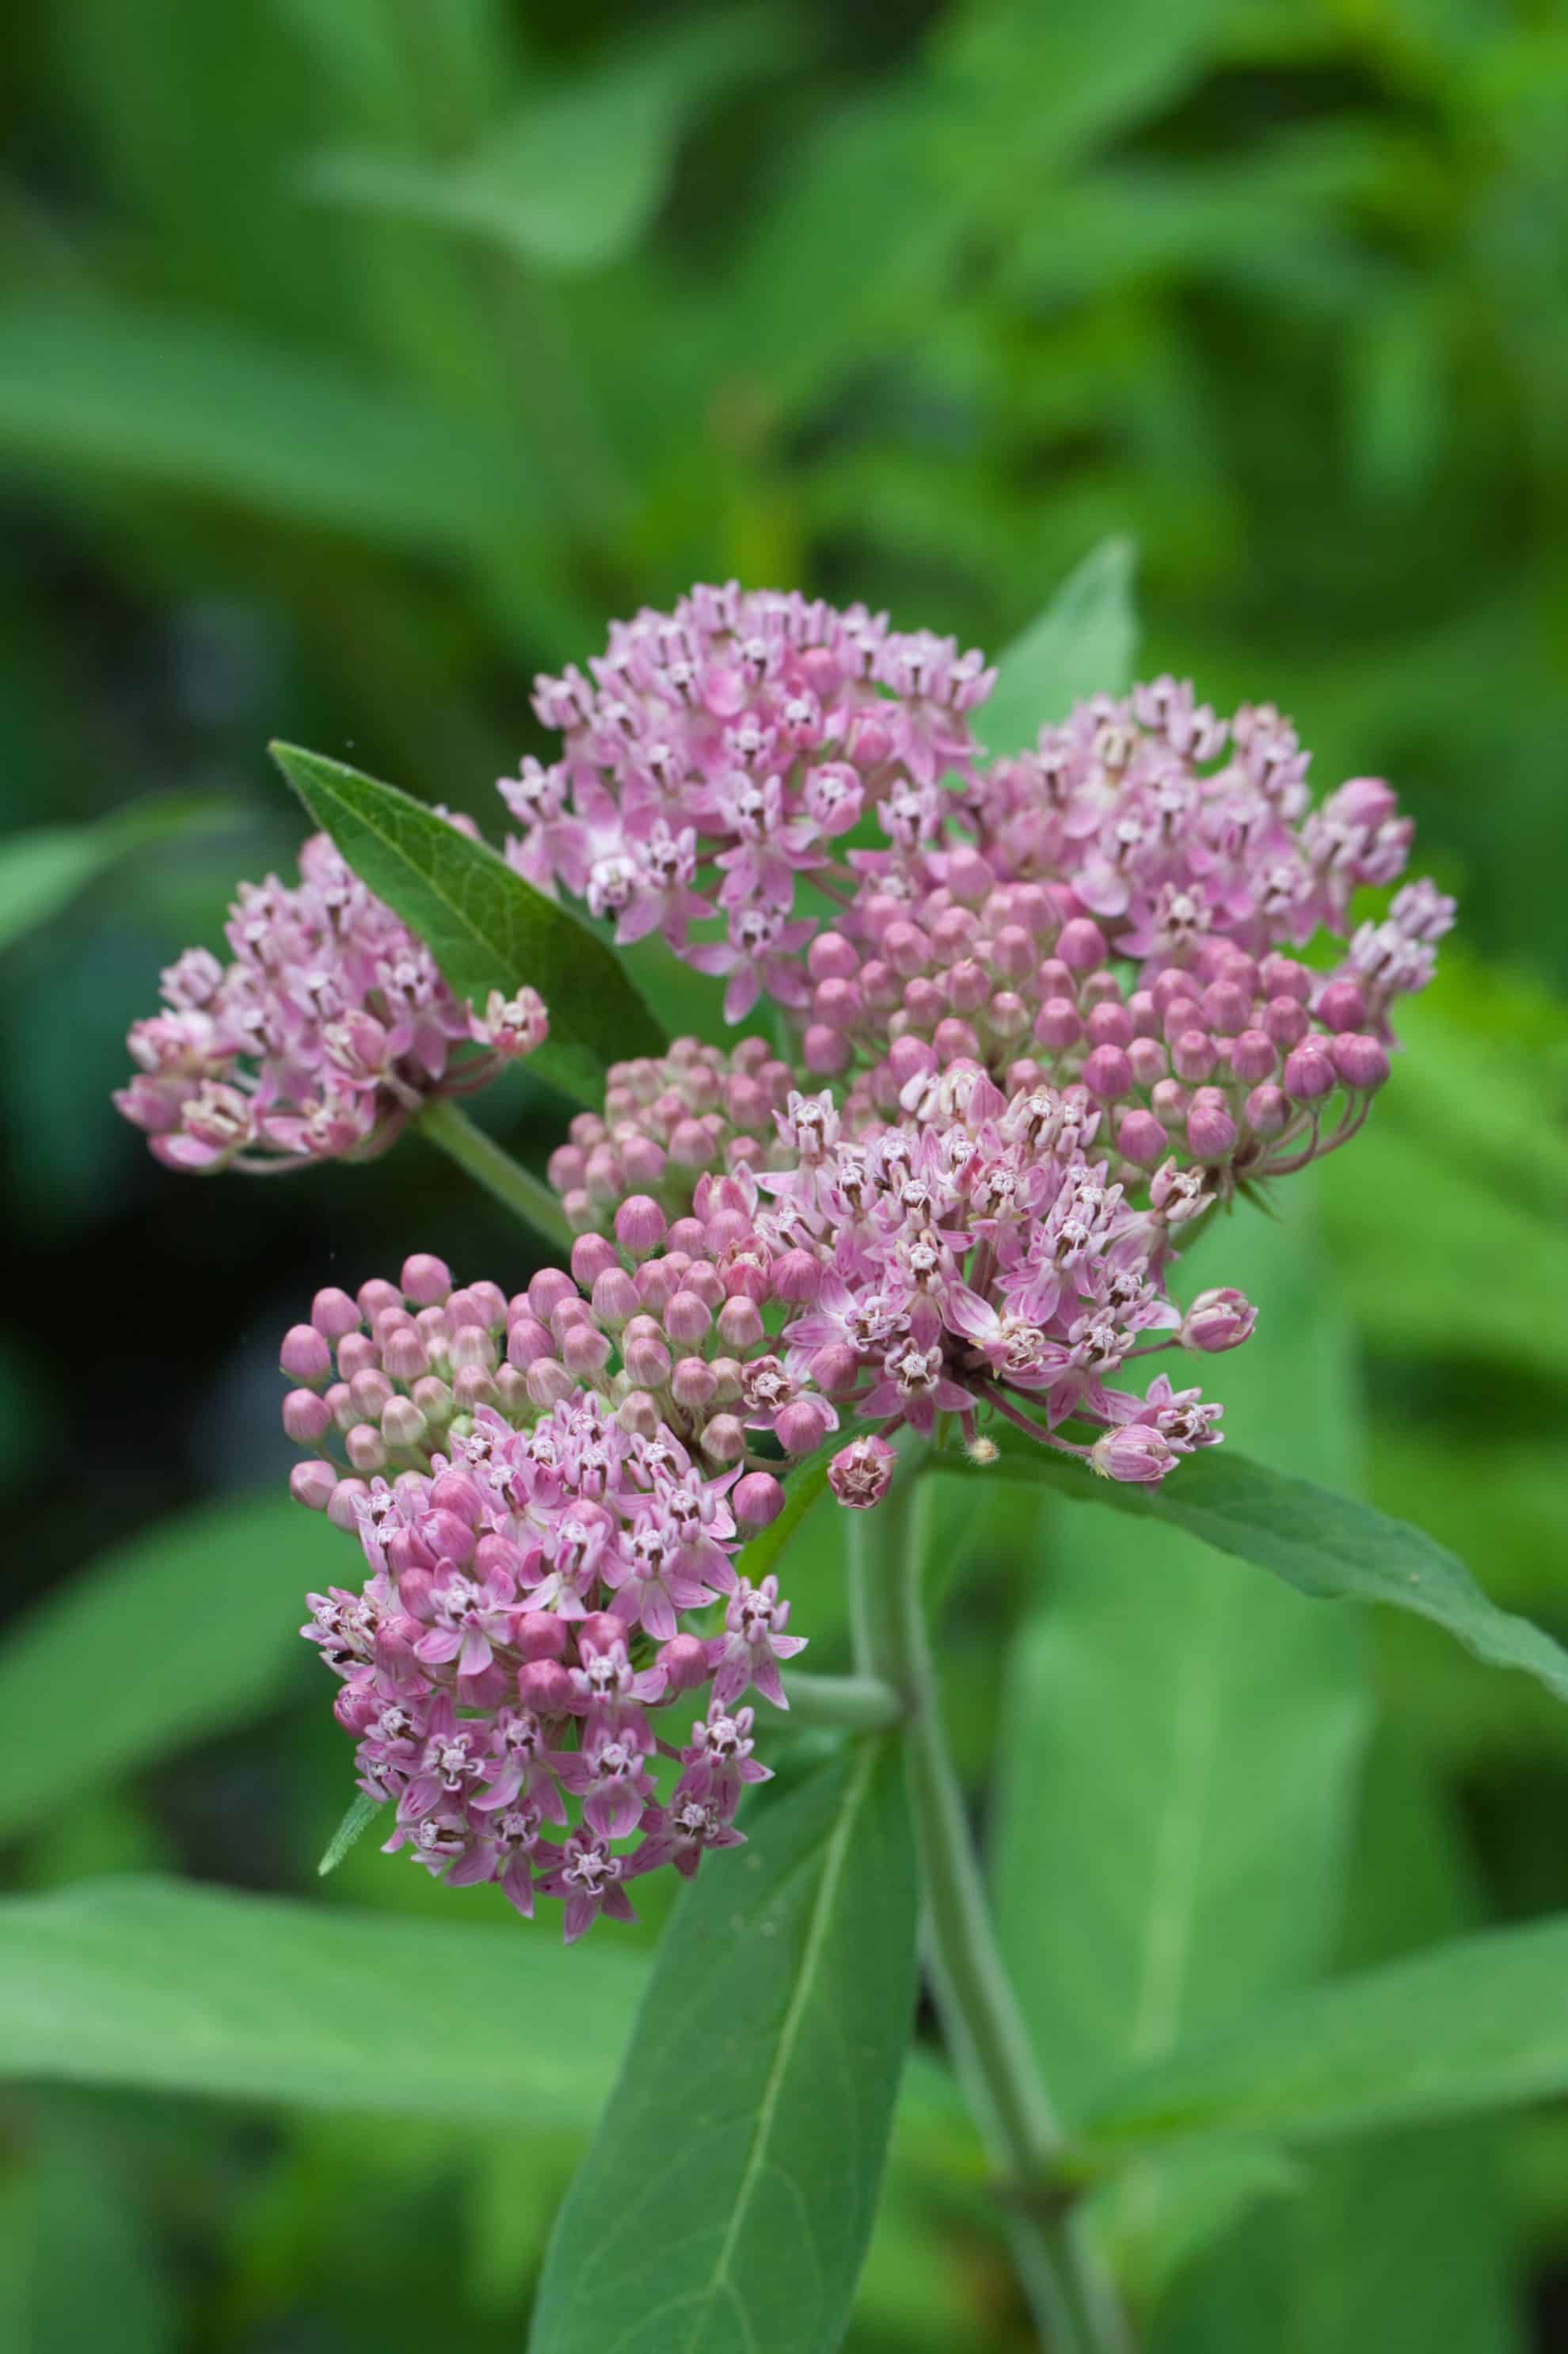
[(486, 927)]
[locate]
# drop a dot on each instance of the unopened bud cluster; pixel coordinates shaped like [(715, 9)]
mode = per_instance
[(536, 1566), (328, 1028)]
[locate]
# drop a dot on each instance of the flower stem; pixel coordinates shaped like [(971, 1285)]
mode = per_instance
[(844, 1703), (1073, 2305), (446, 1125)]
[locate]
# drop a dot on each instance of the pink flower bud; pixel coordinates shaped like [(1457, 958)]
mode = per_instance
[(1218, 1319), (599, 1632), (1341, 1006), (334, 1313), (825, 1050), (637, 1415), (686, 1320), (1268, 1111), (426, 1281), (1194, 1056), (797, 1278), (861, 1474), (539, 1635), (357, 1353), (756, 1499), (1211, 1131), (684, 1660), (639, 1224), (1226, 1009), (725, 1439), (365, 1447), (804, 1423), (405, 1356), (594, 1255), (313, 1485), (1308, 1074), (546, 1291), (1082, 945), (1057, 1025), (402, 1423), (306, 1355), (740, 1324), (1107, 1074), (1149, 1062), (1360, 1062), (692, 1385), (1134, 1453), (375, 1296), (545, 1686), (647, 1362), (1140, 1139), (1252, 1056)]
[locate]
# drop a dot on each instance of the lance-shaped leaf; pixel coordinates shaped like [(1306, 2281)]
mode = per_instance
[(205, 1990), (1325, 1546), (729, 2196), (1477, 2024), (1082, 643), (486, 927)]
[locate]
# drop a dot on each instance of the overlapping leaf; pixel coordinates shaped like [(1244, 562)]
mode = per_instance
[(486, 927)]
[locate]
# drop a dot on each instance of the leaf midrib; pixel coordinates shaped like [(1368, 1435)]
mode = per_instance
[(816, 1936)]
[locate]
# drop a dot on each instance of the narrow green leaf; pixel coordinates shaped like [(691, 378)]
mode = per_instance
[(486, 927), (42, 871), (1473, 2025), (188, 1628), (1324, 1546), (196, 405), (202, 1990), (354, 1824), (1082, 643), (756, 2100)]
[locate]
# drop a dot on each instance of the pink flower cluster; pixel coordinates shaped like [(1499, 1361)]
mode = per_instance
[(521, 1624), (330, 1026), (716, 756)]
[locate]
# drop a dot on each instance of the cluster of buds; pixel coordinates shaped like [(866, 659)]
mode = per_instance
[(328, 1029), (667, 1119), (532, 1577), (717, 756)]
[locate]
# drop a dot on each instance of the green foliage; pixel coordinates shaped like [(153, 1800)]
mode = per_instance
[(1324, 1545), (220, 1588), (42, 871), (205, 1990), (1082, 644), (1474, 2025), (774, 2027), (485, 927)]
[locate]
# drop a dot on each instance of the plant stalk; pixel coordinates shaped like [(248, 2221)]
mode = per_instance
[(844, 1703), (1073, 2306), (443, 1122)]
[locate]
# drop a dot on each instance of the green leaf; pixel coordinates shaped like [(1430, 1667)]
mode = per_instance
[(1181, 1742), (43, 870), (1082, 643), (1179, 1754), (1474, 2025), (357, 1821), (572, 180), (73, 2249), (187, 1629), (188, 404), (202, 1990), (1324, 1545), (486, 927), (755, 2102)]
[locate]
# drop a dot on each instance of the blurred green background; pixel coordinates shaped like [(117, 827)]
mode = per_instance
[(358, 358)]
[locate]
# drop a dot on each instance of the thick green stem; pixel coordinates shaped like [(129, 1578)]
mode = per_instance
[(1073, 2306), (844, 1703), (444, 1124)]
